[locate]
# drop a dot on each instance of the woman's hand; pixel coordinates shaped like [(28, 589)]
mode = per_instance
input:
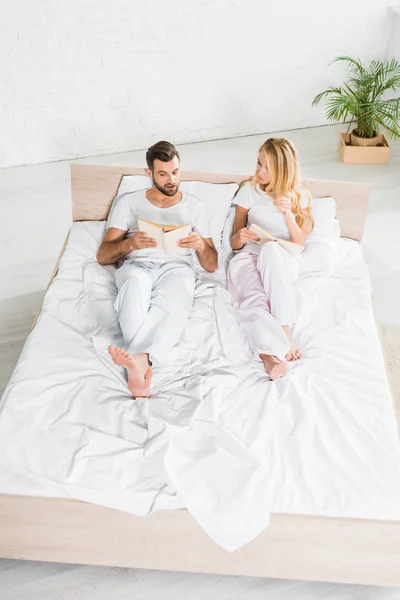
[(242, 236), (284, 206)]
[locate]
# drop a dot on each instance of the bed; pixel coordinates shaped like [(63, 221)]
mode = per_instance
[(361, 548)]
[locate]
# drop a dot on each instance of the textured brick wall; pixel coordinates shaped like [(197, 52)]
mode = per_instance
[(86, 77), (393, 46)]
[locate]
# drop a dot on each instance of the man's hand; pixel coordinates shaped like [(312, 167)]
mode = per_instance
[(284, 206), (193, 241), (140, 240), (206, 252)]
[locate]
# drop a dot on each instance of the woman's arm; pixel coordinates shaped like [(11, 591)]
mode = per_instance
[(298, 235), (241, 234)]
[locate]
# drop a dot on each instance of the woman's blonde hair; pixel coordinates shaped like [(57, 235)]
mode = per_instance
[(284, 179)]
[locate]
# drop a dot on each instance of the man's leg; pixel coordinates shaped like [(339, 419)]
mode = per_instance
[(170, 305), (134, 283)]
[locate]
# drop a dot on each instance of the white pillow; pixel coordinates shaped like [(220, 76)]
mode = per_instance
[(226, 250), (324, 213), (216, 197), (132, 183), (321, 245)]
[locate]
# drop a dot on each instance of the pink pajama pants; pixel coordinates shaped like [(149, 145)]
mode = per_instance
[(263, 295)]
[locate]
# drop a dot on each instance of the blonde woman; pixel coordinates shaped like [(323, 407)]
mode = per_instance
[(261, 277)]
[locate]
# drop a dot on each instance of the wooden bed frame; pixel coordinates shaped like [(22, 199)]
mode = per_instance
[(293, 547)]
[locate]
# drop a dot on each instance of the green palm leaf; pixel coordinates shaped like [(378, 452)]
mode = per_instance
[(360, 97)]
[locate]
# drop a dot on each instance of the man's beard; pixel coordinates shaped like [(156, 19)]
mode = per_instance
[(167, 191)]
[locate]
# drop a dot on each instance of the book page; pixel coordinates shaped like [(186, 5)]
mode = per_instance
[(153, 230), (172, 236), (263, 234)]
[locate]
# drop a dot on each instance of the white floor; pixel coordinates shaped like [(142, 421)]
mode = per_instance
[(35, 217)]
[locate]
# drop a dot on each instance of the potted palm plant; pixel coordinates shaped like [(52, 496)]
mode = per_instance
[(363, 99)]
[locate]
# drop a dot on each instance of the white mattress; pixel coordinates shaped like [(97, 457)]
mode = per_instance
[(217, 437)]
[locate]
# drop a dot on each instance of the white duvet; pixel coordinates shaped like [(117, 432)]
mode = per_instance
[(217, 437)]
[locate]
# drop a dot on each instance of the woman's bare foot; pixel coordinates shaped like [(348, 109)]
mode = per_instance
[(138, 370), (294, 351), (275, 368)]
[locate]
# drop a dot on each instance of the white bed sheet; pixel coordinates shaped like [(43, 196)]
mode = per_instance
[(217, 436)]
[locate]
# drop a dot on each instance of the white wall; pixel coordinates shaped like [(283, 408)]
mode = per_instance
[(86, 77), (393, 46)]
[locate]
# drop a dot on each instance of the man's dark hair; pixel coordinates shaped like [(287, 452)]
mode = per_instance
[(163, 151)]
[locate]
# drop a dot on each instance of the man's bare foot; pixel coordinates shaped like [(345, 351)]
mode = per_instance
[(138, 370), (294, 351), (275, 368)]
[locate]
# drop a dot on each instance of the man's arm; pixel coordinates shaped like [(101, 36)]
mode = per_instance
[(114, 246), (205, 249), (208, 256)]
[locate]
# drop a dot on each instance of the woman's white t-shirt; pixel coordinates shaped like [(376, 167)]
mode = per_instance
[(133, 206), (262, 211)]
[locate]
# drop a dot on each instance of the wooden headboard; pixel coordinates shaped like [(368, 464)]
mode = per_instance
[(95, 186)]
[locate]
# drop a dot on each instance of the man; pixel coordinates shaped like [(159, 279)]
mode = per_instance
[(155, 290)]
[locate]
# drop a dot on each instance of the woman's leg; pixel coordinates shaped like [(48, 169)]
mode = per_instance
[(279, 270), (264, 333)]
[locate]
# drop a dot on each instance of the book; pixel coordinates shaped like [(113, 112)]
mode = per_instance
[(266, 236), (166, 235)]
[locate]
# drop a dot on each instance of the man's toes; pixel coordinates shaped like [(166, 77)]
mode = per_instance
[(277, 371)]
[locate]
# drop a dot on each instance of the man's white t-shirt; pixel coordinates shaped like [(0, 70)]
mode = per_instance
[(133, 206)]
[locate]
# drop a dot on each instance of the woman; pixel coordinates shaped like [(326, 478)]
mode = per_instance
[(261, 277)]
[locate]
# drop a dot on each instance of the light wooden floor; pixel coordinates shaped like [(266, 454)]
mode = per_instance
[(34, 218), (21, 580)]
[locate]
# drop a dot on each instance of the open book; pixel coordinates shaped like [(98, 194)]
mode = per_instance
[(266, 236), (166, 235)]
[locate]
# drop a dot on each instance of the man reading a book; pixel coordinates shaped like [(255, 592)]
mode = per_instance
[(155, 234)]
